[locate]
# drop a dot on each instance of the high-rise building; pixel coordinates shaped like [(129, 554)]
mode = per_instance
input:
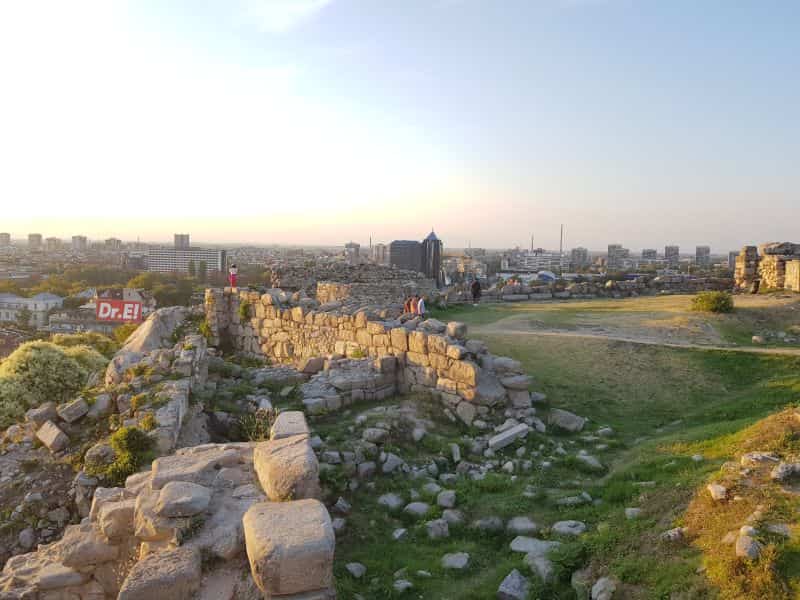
[(5, 239), (432, 250), (649, 254), (79, 243), (672, 255), (34, 241), (406, 254), (616, 255), (352, 251), (52, 244), (702, 256), (182, 241), (113, 244), (732, 259), (380, 254), (578, 257)]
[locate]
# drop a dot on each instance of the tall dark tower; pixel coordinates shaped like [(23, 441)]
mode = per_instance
[(432, 258)]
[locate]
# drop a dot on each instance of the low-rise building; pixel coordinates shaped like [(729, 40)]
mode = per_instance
[(39, 306)]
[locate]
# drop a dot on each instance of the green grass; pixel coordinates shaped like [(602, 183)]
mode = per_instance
[(664, 404)]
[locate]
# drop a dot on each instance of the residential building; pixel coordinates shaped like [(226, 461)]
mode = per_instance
[(351, 253), (174, 260), (578, 258), (182, 241), (702, 256), (616, 256), (52, 244), (113, 244), (380, 254), (79, 243), (649, 254), (5, 239), (39, 306), (672, 256), (34, 241), (732, 259), (539, 259)]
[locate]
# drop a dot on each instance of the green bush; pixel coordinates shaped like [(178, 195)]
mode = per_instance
[(38, 372), (12, 405), (89, 358), (101, 343), (244, 310), (716, 302), (123, 332), (132, 448), (205, 330), (255, 427)]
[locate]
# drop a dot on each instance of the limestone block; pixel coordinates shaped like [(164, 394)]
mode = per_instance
[(457, 330), (52, 437), (82, 546), (290, 546), (418, 342), (415, 358), (171, 575), (399, 338), (182, 499), (437, 344), (509, 436), (116, 518), (199, 467), (72, 411), (465, 372), (289, 423), (456, 352), (287, 469), (42, 413)]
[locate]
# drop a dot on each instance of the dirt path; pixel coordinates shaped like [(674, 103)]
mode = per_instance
[(516, 326)]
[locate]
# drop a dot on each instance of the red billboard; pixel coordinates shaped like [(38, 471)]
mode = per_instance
[(126, 311)]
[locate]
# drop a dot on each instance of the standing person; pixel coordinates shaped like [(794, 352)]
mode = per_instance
[(476, 292), (412, 305), (421, 307), (233, 272), (407, 306)]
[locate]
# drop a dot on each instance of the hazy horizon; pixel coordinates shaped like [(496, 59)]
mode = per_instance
[(320, 121)]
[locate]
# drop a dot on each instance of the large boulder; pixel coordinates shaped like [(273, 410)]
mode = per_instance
[(290, 546), (52, 437), (182, 499), (566, 420), (156, 332), (287, 469), (289, 423)]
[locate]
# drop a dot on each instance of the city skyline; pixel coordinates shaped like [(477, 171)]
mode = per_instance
[(314, 121)]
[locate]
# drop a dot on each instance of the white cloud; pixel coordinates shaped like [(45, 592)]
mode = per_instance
[(280, 16)]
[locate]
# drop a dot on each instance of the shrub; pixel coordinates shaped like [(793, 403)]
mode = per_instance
[(244, 310), (205, 330), (148, 422), (255, 427), (123, 332), (12, 405), (41, 371), (132, 448), (89, 358), (716, 302), (101, 343)]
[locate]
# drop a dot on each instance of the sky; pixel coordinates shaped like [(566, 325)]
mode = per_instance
[(639, 122)]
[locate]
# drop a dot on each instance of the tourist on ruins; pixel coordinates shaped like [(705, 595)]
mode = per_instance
[(407, 306), (233, 271), (421, 306), (475, 288), (412, 305)]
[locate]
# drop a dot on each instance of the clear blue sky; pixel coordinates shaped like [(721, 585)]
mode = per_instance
[(638, 122)]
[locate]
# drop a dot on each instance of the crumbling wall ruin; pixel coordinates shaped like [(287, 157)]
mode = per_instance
[(772, 264)]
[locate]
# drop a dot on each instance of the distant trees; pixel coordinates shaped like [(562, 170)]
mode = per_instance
[(192, 269), (202, 271), (24, 318)]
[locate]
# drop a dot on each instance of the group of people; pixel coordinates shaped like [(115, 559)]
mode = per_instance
[(414, 305)]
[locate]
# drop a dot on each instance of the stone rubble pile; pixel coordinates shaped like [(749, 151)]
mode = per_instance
[(212, 522)]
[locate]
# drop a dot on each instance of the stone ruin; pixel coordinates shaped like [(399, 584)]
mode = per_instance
[(775, 265), (367, 283)]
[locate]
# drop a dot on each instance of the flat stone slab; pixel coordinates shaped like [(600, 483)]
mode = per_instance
[(509, 436), (534, 546), (182, 499), (198, 467), (289, 423), (566, 420), (290, 546), (72, 411), (52, 437), (170, 575)]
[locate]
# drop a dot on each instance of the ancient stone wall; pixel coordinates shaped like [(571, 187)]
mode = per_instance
[(771, 264), (423, 356), (792, 280)]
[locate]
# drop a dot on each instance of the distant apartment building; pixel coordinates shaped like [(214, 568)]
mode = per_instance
[(113, 244), (380, 254), (52, 244), (5, 239), (702, 256), (732, 259), (649, 254), (34, 241), (79, 243), (176, 260), (352, 253), (406, 254), (182, 241), (672, 255), (39, 306), (616, 256), (538, 259), (579, 257)]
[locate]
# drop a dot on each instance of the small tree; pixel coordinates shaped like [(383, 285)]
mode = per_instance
[(192, 269), (202, 271), (716, 302), (24, 317)]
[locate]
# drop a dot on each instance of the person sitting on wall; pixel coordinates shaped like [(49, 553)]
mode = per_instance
[(233, 273)]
